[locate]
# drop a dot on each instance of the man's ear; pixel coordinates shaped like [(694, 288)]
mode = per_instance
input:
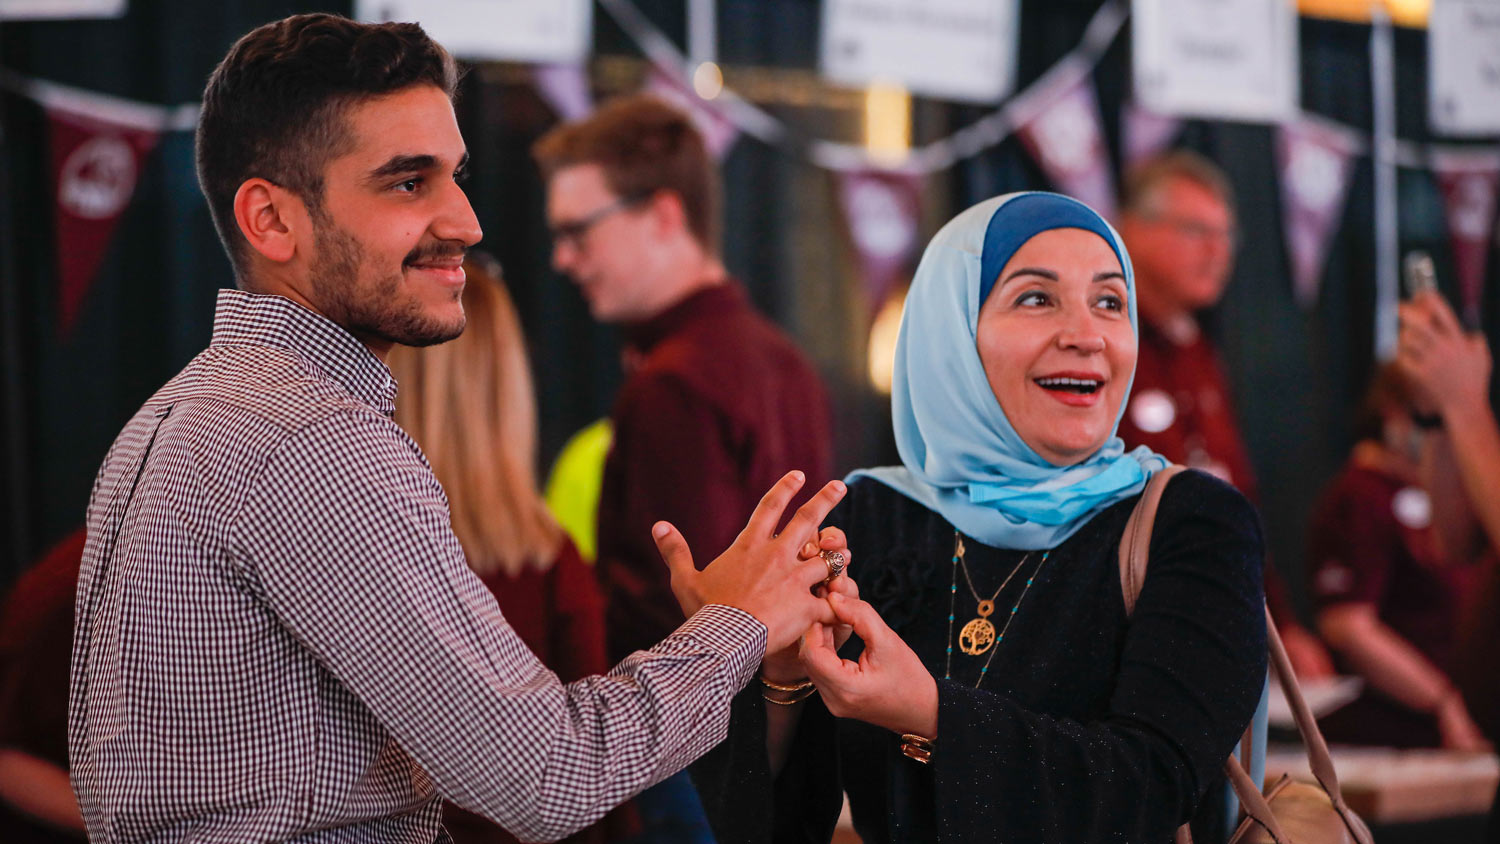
[(667, 212), (271, 218)]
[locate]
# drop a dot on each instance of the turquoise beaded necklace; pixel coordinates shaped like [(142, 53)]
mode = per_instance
[(979, 635)]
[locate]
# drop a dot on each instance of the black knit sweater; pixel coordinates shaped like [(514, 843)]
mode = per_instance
[(1088, 726)]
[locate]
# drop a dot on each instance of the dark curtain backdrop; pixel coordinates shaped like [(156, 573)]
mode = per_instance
[(1296, 374)]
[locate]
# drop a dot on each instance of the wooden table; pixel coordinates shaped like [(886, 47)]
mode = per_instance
[(1387, 786)]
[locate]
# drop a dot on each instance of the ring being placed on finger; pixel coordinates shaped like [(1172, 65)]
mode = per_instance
[(835, 560)]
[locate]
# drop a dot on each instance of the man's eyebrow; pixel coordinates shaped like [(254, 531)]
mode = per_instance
[(399, 165)]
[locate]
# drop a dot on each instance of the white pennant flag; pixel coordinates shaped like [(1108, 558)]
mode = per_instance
[(1314, 161), (1067, 139)]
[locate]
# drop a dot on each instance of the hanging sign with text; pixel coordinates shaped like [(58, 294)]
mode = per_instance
[(950, 49), (1218, 59), (1463, 67), (501, 30)]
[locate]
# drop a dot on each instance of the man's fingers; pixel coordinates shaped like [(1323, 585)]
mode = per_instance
[(673, 548), (768, 512), (810, 515)]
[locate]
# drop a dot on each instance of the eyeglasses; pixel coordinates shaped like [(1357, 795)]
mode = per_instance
[(1198, 230), (574, 231)]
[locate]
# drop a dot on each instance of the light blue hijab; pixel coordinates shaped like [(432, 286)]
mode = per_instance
[(961, 456)]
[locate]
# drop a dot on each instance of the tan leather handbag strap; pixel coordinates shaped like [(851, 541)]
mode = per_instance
[(1318, 757), (1135, 544)]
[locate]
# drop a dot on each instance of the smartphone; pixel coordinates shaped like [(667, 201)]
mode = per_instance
[(1418, 273)]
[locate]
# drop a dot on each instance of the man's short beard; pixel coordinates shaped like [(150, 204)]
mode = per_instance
[(377, 312)]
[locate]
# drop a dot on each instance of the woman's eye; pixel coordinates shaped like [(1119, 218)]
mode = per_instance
[(1031, 298), (1112, 302)]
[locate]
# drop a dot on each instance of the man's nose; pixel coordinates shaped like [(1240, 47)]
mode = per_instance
[(457, 222)]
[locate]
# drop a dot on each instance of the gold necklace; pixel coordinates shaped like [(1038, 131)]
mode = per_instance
[(979, 636)]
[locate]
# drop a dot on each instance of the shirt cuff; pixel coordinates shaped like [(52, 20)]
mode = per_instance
[(734, 634)]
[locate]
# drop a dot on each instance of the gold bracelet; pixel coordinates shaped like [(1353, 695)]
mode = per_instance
[(798, 696), (917, 747), (797, 687)]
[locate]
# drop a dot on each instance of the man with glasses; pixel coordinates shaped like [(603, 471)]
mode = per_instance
[(717, 401), (1178, 223)]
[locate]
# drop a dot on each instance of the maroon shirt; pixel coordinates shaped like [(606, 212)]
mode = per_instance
[(1371, 542), (719, 405), (1180, 407), (36, 643)]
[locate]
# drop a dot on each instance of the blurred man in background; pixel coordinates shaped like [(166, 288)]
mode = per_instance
[(717, 401), (1178, 222)]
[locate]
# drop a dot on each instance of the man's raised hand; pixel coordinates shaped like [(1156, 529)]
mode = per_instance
[(760, 572)]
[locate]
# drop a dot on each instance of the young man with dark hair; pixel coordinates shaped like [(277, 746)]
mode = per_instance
[(277, 635), (717, 401)]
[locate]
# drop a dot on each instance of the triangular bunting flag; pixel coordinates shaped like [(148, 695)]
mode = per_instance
[(1067, 139), (883, 208), (95, 167), (1314, 162), (1469, 182)]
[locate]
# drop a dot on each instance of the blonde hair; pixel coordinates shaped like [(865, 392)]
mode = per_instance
[(469, 404)]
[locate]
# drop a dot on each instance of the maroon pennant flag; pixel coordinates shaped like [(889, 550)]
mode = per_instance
[(883, 208), (1146, 133), (1315, 162), (1469, 182), (95, 167), (719, 133), (1067, 139)]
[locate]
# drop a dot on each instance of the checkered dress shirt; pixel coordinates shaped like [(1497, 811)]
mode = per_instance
[(278, 638)]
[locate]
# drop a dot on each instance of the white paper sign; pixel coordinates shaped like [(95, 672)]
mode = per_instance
[(952, 49), (60, 9), (505, 30), (1222, 59), (1463, 66)]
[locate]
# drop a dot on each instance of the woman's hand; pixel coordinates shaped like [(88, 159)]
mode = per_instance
[(889, 687), (785, 666)]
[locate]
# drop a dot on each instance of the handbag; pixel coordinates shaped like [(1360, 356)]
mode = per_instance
[(1287, 812)]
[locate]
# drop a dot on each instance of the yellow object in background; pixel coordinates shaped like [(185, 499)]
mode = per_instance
[(573, 485)]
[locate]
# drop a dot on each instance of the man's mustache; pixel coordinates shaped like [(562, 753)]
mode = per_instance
[(440, 249)]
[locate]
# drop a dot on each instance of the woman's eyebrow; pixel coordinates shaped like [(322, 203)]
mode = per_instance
[(1047, 274), (1107, 275)]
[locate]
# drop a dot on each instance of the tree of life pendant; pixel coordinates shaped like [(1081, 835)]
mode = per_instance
[(978, 635)]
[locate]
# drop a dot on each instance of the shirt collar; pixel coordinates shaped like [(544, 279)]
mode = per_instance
[(249, 318), (714, 299)]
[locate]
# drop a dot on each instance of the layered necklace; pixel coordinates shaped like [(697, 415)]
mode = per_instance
[(979, 635)]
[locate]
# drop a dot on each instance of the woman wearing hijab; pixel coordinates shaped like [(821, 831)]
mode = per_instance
[(994, 688)]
